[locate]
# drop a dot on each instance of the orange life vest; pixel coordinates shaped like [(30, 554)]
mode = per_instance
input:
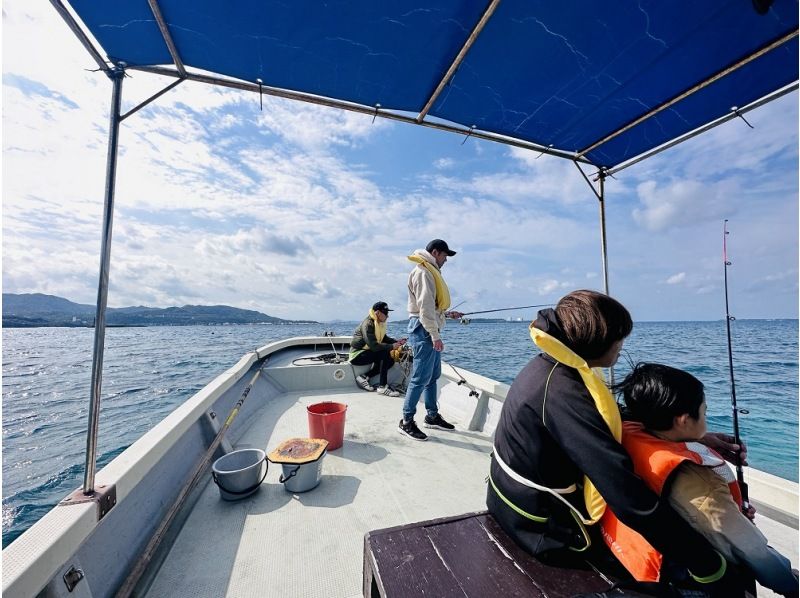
[(654, 460)]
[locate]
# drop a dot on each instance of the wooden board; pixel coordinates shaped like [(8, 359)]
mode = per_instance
[(470, 556)]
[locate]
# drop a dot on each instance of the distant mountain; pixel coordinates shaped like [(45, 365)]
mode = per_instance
[(37, 303), (35, 309)]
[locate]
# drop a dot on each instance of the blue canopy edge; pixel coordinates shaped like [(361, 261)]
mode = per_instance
[(568, 75)]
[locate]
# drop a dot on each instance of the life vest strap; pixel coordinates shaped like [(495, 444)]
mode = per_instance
[(514, 507), (556, 492)]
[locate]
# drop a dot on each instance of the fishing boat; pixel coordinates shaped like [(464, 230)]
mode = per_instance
[(159, 535), (604, 87)]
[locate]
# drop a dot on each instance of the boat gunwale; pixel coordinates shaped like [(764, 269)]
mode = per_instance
[(54, 538)]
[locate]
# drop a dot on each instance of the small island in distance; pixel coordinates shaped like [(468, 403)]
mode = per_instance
[(32, 310)]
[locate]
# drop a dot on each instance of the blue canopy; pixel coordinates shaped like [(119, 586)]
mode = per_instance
[(599, 81)]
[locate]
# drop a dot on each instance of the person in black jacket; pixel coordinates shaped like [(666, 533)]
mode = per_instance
[(372, 346), (557, 461)]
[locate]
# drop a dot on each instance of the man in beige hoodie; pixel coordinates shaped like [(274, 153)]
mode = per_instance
[(428, 302)]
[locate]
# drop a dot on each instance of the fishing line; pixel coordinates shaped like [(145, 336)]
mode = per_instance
[(461, 303), (489, 311), (734, 408)]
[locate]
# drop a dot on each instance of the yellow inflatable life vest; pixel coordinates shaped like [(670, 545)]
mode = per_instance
[(442, 292), (603, 400)]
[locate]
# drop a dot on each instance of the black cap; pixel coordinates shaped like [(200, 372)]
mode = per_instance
[(381, 306), (441, 246)]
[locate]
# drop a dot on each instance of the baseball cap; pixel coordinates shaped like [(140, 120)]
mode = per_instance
[(441, 246), (381, 306)]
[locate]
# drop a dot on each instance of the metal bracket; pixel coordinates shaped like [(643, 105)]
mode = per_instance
[(72, 577), (105, 497)]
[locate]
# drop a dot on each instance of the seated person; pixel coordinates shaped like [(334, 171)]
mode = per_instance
[(669, 409), (558, 463), (371, 346)]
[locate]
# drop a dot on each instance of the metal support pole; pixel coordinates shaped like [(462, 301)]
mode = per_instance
[(116, 75), (601, 197), (601, 177)]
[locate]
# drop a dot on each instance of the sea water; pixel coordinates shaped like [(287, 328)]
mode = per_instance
[(150, 371)]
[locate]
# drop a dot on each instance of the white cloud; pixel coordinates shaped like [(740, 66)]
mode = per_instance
[(444, 163), (683, 203), (676, 278), (548, 287)]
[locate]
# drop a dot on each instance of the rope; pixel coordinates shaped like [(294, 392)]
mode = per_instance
[(325, 358)]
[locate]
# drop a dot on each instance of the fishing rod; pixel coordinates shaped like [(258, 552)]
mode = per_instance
[(736, 411), (489, 311)]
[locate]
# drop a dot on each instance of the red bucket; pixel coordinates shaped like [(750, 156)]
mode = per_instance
[(326, 420)]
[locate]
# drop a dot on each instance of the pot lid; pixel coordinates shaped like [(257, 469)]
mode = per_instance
[(298, 450)]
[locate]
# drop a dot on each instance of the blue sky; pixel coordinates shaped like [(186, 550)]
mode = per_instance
[(307, 212)]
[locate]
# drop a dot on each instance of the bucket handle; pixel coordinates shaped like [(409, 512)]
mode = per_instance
[(283, 480), (246, 490)]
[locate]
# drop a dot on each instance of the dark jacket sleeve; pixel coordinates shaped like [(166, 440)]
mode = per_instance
[(372, 341), (574, 422)]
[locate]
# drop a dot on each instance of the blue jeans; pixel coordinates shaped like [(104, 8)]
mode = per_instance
[(425, 371)]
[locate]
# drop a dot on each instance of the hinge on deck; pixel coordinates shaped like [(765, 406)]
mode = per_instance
[(105, 496), (72, 577)]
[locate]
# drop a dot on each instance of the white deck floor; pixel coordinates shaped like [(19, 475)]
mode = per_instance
[(307, 545), (311, 545)]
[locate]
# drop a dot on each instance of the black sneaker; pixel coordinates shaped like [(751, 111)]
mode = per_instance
[(437, 421), (411, 430)]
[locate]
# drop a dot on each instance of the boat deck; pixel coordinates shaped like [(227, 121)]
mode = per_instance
[(308, 545), (274, 543)]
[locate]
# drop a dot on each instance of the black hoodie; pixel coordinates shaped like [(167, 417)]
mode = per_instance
[(551, 433)]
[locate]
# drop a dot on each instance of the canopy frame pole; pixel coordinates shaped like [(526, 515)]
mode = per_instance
[(700, 130), (601, 196), (694, 89), (116, 74), (152, 98), (82, 37), (462, 53), (162, 25), (358, 108), (600, 178)]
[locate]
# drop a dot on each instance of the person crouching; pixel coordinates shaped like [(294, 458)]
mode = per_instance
[(371, 346)]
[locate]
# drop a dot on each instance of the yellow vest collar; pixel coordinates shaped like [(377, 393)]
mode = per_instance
[(380, 327), (603, 400), (442, 292)]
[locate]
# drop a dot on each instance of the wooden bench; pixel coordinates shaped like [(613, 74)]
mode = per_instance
[(469, 555)]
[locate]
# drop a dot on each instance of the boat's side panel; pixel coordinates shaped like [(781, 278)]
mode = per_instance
[(161, 455), (774, 497), (29, 562), (472, 399), (147, 477)]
